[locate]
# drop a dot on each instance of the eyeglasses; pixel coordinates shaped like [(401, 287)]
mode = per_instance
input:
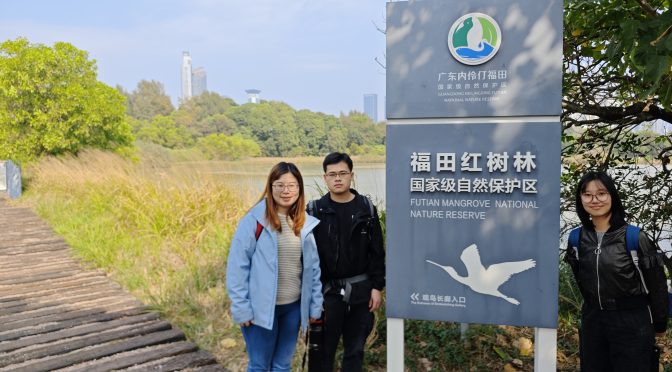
[(341, 174), (291, 187), (601, 196)]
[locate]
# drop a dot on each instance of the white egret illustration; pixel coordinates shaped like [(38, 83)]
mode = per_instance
[(486, 280), (475, 35)]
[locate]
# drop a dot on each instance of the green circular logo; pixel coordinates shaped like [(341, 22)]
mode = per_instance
[(474, 38)]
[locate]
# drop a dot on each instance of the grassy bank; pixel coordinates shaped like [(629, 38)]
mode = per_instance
[(164, 236)]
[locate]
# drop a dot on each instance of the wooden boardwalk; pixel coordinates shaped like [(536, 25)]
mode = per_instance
[(55, 315)]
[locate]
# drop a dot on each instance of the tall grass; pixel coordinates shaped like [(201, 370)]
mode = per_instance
[(161, 234)]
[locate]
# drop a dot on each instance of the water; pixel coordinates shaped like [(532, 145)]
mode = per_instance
[(248, 177)]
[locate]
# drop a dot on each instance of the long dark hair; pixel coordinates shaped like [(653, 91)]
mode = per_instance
[(296, 212), (617, 211)]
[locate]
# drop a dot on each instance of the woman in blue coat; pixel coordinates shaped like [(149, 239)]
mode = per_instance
[(273, 272)]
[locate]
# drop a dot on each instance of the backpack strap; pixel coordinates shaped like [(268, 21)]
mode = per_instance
[(632, 245), (575, 240), (257, 233), (632, 238), (369, 204), (312, 207)]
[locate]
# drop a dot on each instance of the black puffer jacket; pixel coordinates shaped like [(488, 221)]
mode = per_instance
[(608, 278), (365, 253)]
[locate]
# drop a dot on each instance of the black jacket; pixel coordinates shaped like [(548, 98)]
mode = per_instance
[(365, 253), (609, 280)]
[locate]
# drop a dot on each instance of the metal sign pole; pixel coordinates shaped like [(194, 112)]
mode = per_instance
[(395, 345), (545, 349)]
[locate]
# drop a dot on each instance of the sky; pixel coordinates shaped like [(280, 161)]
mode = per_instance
[(312, 54)]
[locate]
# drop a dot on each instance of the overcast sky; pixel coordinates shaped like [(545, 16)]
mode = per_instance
[(312, 54)]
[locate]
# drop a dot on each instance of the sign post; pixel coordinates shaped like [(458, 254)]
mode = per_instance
[(473, 166)]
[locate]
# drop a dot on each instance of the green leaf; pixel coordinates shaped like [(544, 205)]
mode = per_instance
[(501, 353), (667, 44)]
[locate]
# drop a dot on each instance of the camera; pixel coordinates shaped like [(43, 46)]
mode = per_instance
[(316, 346)]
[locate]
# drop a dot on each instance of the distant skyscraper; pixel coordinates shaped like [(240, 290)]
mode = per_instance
[(186, 76), (199, 82), (371, 106), (253, 95)]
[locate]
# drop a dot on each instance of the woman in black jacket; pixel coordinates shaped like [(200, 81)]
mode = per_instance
[(625, 304)]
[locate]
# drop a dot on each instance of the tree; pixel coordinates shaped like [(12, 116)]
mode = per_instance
[(337, 135), (197, 114), (361, 131), (52, 103), (617, 60), (618, 75), (148, 100), (164, 131), (223, 147), (273, 126), (313, 131)]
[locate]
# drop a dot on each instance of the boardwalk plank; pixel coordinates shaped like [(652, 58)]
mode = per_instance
[(131, 358), (40, 277), (76, 343), (32, 244), (80, 295), (43, 294), (66, 315), (98, 351), (79, 330), (60, 308), (29, 303), (196, 359), (16, 268), (39, 272), (13, 289), (69, 323), (209, 368)]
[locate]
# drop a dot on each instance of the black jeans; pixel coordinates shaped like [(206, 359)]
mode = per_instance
[(616, 340), (354, 322)]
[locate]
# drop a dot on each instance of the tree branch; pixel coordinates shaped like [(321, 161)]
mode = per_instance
[(662, 36), (650, 11), (642, 111)]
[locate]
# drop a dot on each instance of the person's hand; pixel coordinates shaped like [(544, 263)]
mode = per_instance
[(246, 324), (376, 300)]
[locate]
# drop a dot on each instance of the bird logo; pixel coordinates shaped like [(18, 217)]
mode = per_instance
[(486, 280), (474, 39)]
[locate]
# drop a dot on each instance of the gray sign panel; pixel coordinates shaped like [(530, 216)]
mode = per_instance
[(472, 222), (511, 53)]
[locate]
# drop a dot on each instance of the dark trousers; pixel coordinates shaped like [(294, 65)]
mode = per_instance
[(354, 323), (616, 340)]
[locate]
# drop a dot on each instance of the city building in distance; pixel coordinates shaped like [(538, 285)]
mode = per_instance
[(371, 106), (199, 83), (253, 95), (186, 76)]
